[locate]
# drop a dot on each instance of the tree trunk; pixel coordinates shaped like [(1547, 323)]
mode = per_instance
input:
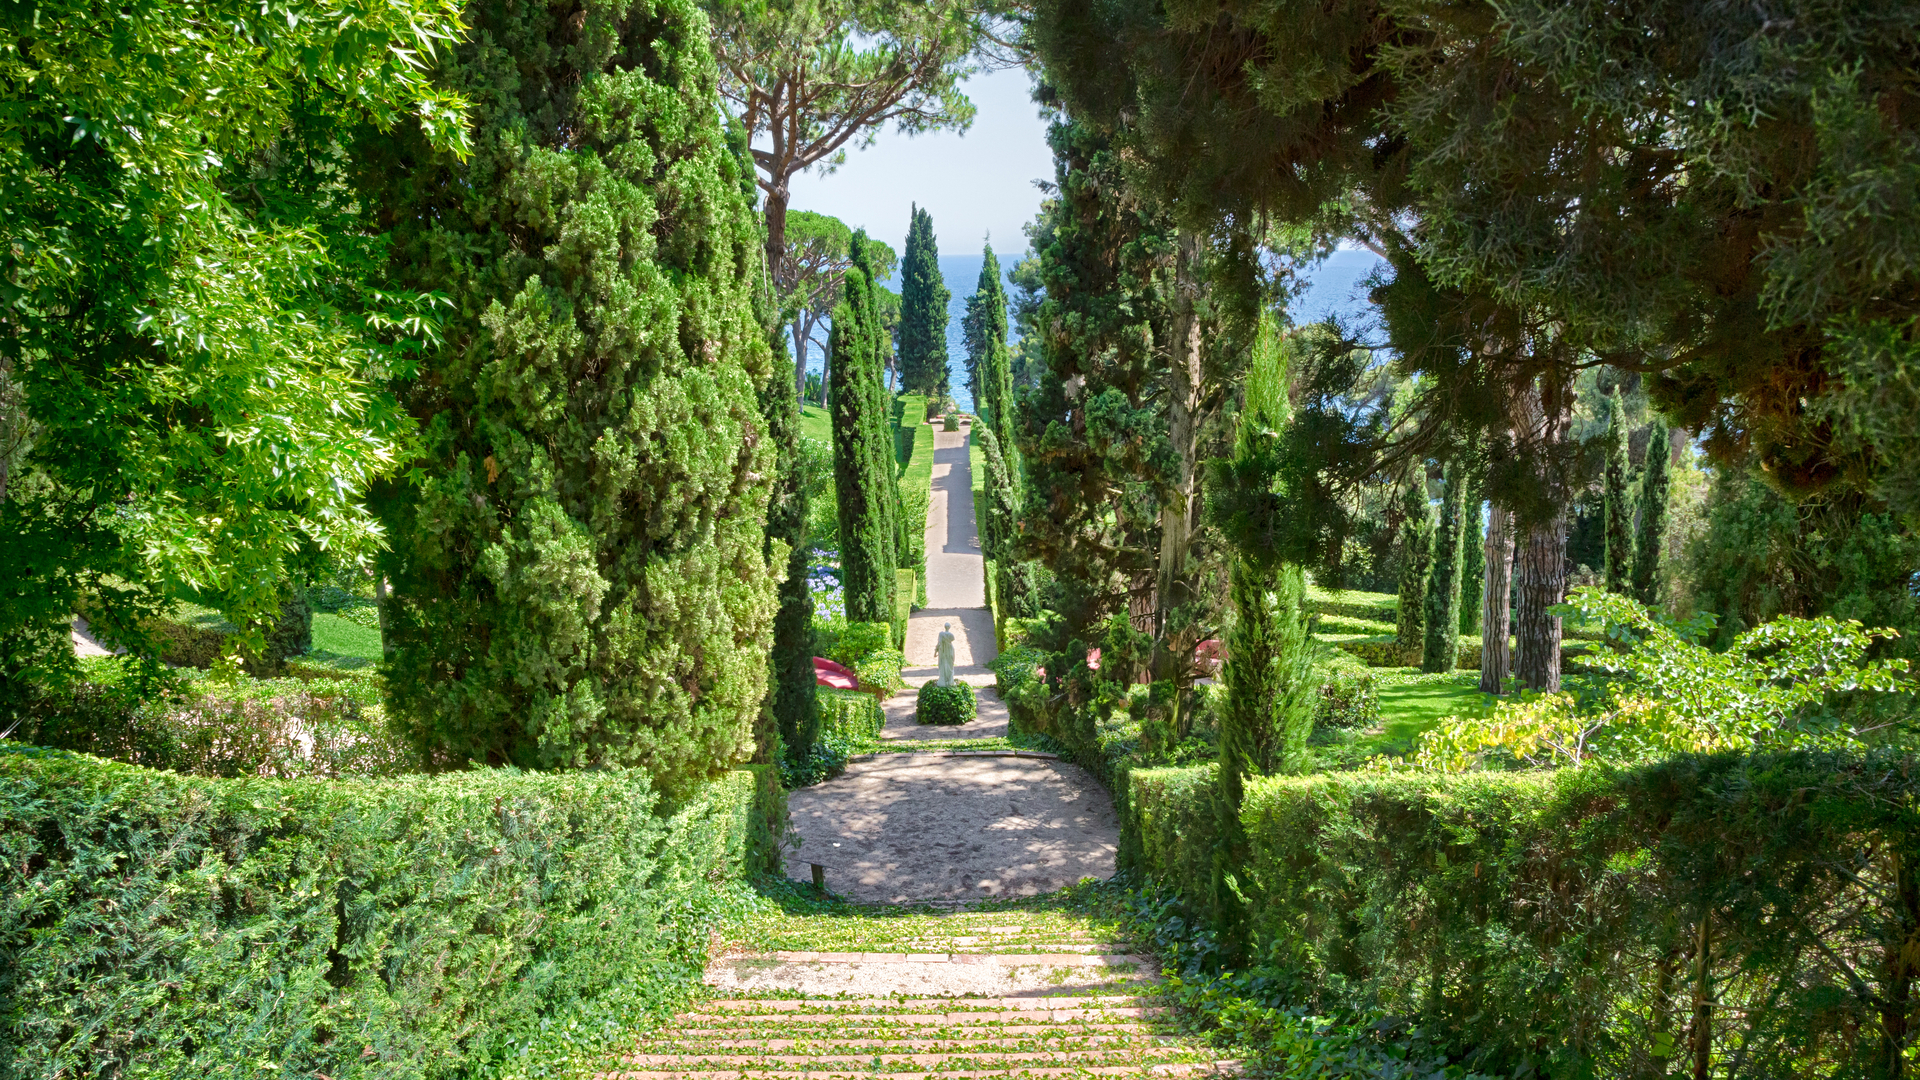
[(777, 235), (1496, 600), (1542, 420), (800, 363), (1183, 429)]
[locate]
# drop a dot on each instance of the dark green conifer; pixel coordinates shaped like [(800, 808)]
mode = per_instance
[(1619, 499), (1416, 560), (1441, 649), (989, 363), (578, 569), (1653, 515), (1473, 562), (863, 451), (923, 311)]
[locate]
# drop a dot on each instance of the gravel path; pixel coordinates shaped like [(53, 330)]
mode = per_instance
[(906, 827)]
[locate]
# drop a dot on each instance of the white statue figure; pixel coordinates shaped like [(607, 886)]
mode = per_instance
[(943, 652)]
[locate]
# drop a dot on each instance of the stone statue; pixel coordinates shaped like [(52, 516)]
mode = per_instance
[(943, 652)]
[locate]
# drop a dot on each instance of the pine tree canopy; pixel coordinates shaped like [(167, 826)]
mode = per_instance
[(579, 571), (923, 311)]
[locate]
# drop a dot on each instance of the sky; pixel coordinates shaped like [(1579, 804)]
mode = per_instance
[(973, 184), (981, 183)]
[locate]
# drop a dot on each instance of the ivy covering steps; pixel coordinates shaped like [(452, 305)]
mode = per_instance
[(905, 993)]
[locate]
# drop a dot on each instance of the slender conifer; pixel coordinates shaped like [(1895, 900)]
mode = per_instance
[(923, 311), (1619, 499), (1416, 555), (863, 457), (1654, 481), (1441, 649)]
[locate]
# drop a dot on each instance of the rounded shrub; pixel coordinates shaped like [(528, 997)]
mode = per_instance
[(944, 704)]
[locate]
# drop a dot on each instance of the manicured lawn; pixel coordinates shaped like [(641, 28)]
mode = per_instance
[(1409, 709), (814, 424), (342, 644)]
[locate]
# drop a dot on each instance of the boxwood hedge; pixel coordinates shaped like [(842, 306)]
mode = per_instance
[(160, 925)]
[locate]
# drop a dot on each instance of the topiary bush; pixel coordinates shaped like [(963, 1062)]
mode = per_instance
[(858, 640), (170, 926), (945, 705)]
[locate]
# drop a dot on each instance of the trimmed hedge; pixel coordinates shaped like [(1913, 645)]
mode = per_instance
[(945, 705), (906, 583), (1371, 607), (850, 716), (1551, 923), (161, 925)]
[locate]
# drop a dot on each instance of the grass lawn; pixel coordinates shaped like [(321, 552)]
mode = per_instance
[(338, 643), (814, 424), (1408, 709)]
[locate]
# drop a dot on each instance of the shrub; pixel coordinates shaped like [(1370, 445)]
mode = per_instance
[(850, 723), (1016, 678), (880, 671), (945, 705), (1670, 694), (1348, 699), (908, 585), (1550, 923), (169, 926), (189, 722), (951, 423), (858, 640)]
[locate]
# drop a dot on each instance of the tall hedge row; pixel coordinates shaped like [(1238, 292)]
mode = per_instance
[(1554, 924), (160, 925)]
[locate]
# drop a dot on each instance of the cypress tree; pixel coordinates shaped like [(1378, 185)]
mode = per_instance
[(792, 692), (923, 311), (1442, 643), (1416, 558), (578, 570), (1473, 562), (1269, 670), (1013, 578), (1654, 480), (1619, 499), (863, 455), (989, 363)]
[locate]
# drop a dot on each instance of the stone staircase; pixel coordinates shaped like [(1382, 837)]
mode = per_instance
[(940, 996)]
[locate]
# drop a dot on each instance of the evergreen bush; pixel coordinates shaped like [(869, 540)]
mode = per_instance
[(858, 640), (1459, 899), (944, 704), (170, 926), (578, 561), (1348, 700), (879, 671)]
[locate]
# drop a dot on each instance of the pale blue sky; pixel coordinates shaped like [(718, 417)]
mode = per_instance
[(973, 184)]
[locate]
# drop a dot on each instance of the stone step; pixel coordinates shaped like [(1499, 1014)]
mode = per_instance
[(939, 1062), (956, 1018), (795, 1004), (1014, 1037), (1198, 1068), (1023, 959)]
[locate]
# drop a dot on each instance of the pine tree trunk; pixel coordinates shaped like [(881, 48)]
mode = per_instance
[(1496, 601), (1183, 430), (776, 217), (1540, 583), (1543, 419)]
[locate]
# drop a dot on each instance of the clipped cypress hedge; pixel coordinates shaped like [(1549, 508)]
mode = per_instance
[(161, 925), (1552, 923)]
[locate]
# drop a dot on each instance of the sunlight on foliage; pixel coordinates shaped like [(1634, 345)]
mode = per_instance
[(1670, 695)]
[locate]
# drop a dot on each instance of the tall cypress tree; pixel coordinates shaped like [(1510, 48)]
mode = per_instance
[(1619, 499), (1416, 555), (578, 571), (1269, 671), (1442, 641), (1654, 481), (863, 455), (923, 311), (792, 692), (989, 364), (1473, 562)]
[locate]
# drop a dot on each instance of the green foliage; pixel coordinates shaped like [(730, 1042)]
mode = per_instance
[(863, 453), (579, 568), (850, 723), (858, 640), (188, 398), (190, 722), (1619, 503), (989, 363), (425, 927), (1441, 640), (791, 677), (1416, 546), (1372, 607), (923, 311), (879, 671), (1348, 699), (1762, 555), (1653, 503), (1450, 902), (938, 704), (906, 586), (1473, 563), (1773, 689)]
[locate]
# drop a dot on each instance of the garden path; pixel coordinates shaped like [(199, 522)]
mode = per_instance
[(956, 573)]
